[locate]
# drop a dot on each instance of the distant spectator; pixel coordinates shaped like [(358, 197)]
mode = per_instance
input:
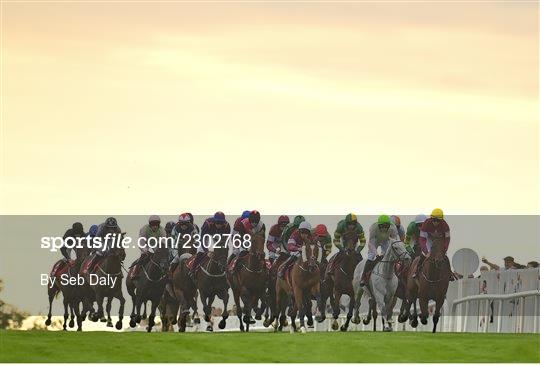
[(532, 265), (509, 264)]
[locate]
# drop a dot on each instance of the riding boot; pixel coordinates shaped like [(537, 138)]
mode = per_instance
[(283, 268), (367, 269), (172, 268)]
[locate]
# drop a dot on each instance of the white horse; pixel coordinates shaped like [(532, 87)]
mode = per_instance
[(381, 287)]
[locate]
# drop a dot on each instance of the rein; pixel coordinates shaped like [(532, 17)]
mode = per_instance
[(207, 269)]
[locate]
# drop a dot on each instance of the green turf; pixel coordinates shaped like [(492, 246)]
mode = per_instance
[(39, 346)]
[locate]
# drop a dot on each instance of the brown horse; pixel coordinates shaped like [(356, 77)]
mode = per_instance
[(303, 285), (431, 283), (271, 289), (71, 293), (183, 290), (107, 283), (148, 286), (341, 283), (211, 281), (249, 282)]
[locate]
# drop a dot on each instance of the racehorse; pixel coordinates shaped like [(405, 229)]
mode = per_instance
[(271, 289), (211, 280), (341, 282), (148, 286), (183, 288), (302, 283), (381, 286), (250, 280), (71, 293), (431, 283), (109, 266)]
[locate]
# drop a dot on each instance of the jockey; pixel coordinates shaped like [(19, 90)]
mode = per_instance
[(250, 225), (345, 229), (245, 214), (412, 237), (75, 231), (381, 234), (183, 227), (347, 226), (273, 243), (110, 226), (294, 245), (212, 226), (323, 238), (432, 229), (192, 220), (152, 229), (400, 229), (288, 231)]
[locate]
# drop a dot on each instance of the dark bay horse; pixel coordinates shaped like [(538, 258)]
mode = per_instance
[(107, 270), (431, 283), (341, 282), (148, 286), (183, 293), (211, 281), (303, 285), (71, 293), (249, 282)]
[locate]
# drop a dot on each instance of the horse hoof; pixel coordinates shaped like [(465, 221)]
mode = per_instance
[(138, 319), (71, 323), (48, 322), (366, 321), (335, 326), (310, 322), (143, 317), (286, 323), (320, 319), (148, 329), (65, 329), (79, 329), (423, 320), (343, 329), (291, 330), (174, 321), (303, 329), (197, 321), (266, 323), (103, 319), (109, 324), (401, 318), (387, 329), (221, 324), (209, 328), (132, 323), (414, 323), (355, 320), (119, 325)]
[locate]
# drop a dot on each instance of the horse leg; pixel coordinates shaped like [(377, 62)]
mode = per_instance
[(152, 316), (236, 297), (357, 302), (350, 313), (120, 297), (66, 312), (208, 312), (108, 309), (224, 296), (77, 313), (335, 309), (72, 310), (144, 317), (437, 313), (373, 308), (320, 314), (51, 293), (299, 307), (424, 313)]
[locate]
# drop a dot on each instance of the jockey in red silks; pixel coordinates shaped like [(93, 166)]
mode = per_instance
[(434, 228), (273, 243), (294, 246), (249, 225)]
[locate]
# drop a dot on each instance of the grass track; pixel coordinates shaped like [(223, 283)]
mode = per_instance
[(40, 346)]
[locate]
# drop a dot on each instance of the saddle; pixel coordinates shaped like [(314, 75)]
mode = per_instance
[(90, 264), (61, 267)]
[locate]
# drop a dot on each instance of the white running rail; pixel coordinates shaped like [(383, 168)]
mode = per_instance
[(487, 299)]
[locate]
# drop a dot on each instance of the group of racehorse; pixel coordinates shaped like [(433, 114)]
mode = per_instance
[(257, 287)]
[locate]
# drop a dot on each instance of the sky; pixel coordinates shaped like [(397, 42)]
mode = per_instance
[(318, 108)]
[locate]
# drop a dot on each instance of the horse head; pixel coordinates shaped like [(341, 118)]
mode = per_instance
[(161, 258), (312, 254), (256, 248), (397, 252)]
